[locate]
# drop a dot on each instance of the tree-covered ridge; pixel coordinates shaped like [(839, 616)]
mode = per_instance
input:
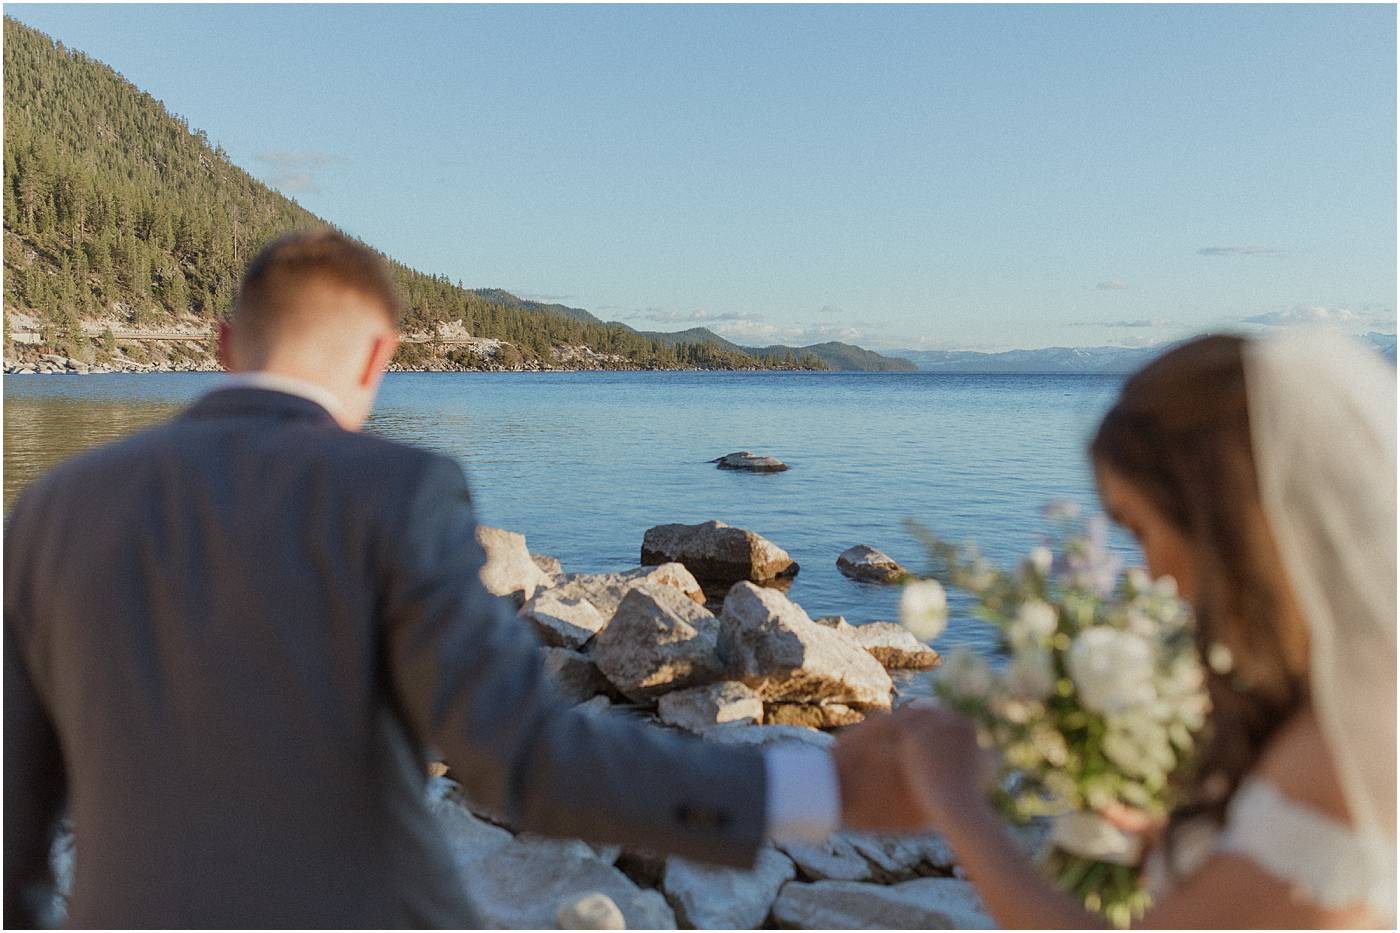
[(115, 210)]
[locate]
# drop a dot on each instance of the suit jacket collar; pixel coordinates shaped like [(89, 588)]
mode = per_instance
[(236, 400)]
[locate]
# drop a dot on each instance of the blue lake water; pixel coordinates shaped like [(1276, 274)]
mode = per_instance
[(584, 463)]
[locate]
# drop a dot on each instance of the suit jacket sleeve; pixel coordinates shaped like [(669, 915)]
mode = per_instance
[(469, 678), (35, 786)]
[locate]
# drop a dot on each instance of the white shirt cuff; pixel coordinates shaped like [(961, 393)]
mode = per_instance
[(803, 801)]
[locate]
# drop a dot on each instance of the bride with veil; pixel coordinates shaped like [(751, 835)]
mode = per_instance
[(1261, 474)]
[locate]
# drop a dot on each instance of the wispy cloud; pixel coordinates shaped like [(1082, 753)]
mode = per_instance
[(1145, 322), (1113, 285), (1241, 251), (1304, 314), (294, 170)]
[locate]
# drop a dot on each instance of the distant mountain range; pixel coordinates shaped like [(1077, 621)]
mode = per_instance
[(836, 355), (1068, 359)]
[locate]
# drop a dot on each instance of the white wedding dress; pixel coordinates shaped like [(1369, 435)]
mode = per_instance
[(1322, 412), (1323, 861)]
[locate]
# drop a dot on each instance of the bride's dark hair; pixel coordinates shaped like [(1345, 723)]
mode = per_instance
[(1179, 434)]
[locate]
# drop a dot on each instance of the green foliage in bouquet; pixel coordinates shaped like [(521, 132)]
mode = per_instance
[(1097, 706)]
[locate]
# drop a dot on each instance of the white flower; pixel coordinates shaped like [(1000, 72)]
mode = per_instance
[(1081, 832), (1041, 560), (1139, 580), (1035, 620), (923, 609), (1112, 670), (1220, 659), (1165, 587), (1140, 623), (964, 675), (1030, 675)]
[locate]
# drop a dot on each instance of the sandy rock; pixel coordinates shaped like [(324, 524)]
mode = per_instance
[(894, 646), (710, 898), (717, 552), (811, 715), (870, 565), (595, 911), (760, 736), (563, 620), (923, 904), (701, 708), (769, 643), (526, 882), (509, 568), (753, 463), (576, 675), (658, 641), (549, 566), (605, 590)]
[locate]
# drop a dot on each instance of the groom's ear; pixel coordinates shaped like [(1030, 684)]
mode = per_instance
[(381, 352)]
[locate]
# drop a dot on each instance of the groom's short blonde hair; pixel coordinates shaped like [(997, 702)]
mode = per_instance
[(281, 272)]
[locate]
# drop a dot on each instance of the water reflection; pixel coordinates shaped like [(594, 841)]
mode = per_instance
[(42, 432)]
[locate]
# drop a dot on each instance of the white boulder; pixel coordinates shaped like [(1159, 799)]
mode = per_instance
[(700, 708), (711, 898), (658, 641)]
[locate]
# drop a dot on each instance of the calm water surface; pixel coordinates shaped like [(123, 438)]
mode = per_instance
[(584, 463)]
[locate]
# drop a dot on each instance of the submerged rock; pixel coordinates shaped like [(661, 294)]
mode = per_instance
[(509, 568), (700, 708), (769, 643), (753, 463), (923, 904), (717, 553), (870, 565), (658, 641), (711, 898)]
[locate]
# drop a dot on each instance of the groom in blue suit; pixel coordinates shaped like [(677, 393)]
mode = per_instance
[(230, 639)]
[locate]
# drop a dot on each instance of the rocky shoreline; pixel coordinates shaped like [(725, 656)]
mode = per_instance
[(700, 638)]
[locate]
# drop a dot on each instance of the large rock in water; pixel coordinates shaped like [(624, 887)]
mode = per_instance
[(753, 463), (700, 708), (509, 569), (717, 553), (924, 904), (870, 565), (769, 643), (526, 882), (658, 641), (711, 898)]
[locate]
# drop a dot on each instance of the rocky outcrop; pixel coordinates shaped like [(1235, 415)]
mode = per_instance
[(870, 565), (710, 898), (605, 590), (811, 715), (526, 882), (658, 641), (701, 708), (717, 553), (894, 646), (762, 736), (846, 856), (550, 567), (770, 644), (575, 674), (924, 904), (563, 619), (750, 462), (509, 569)]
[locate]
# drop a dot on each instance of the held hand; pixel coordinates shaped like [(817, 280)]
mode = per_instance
[(877, 793), (947, 768)]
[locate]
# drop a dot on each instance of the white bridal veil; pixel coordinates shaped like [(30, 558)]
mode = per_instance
[(1322, 412)]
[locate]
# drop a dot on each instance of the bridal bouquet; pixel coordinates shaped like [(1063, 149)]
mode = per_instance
[(1096, 706)]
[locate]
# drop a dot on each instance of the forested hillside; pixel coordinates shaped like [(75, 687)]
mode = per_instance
[(118, 215)]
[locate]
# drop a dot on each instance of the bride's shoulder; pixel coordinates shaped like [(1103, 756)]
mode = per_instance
[(1298, 764)]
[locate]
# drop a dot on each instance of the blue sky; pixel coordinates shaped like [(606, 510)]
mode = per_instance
[(974, 176)]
